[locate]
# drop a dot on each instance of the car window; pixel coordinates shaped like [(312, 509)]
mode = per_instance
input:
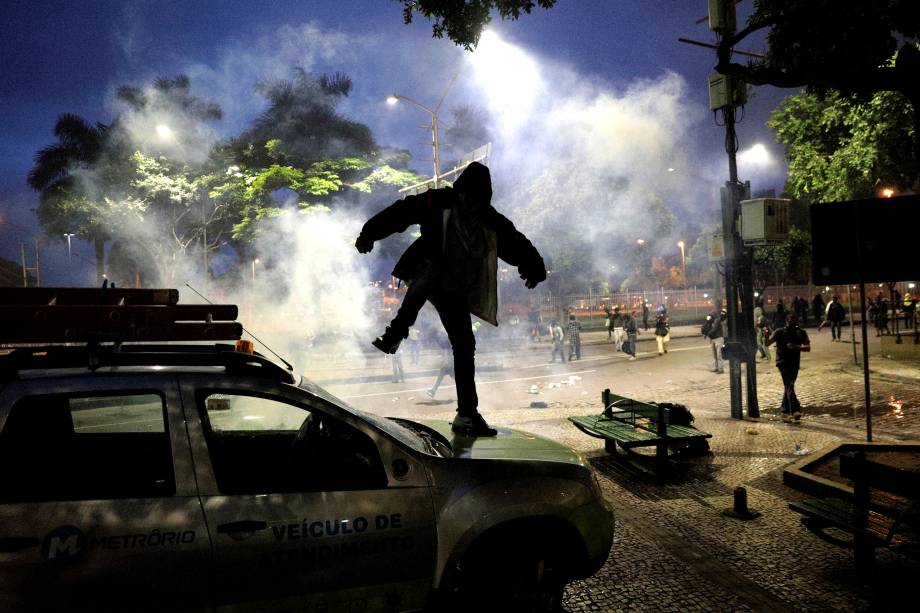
[(262, 445), (86, 448)]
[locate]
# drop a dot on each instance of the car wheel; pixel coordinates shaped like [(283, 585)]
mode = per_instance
[(515, 577)]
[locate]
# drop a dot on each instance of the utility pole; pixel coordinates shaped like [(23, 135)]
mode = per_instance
[(726, 94)]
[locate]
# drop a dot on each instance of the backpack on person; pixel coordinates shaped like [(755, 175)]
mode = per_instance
[(706, 327)]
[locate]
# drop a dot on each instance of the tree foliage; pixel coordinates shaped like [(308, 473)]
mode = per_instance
[(844, 147), (463, 20)]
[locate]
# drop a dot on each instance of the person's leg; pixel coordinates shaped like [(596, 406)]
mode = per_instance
[(418, 292), (577, 347), (437, 382), (790, 404), (660, 341), (455, 316)]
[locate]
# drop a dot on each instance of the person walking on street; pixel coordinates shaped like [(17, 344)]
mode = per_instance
[(557, 336), (910, 306), (446, 368), (619, 334), (645, 314), (763, 334), (791, 341), (632, 334), (399, 374), (662, 330), (453, 265), (714, 328), (608, 322), (574, 338), (779, 316), (415, 345), (835, 316), (817, 308)]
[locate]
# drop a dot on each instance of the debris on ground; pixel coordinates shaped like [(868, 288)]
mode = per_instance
[(538, 405), (752, 431)]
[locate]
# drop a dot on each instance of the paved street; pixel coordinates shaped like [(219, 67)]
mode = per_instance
[(673, 549)]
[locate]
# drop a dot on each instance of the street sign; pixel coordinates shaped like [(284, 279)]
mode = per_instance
[(716, 248)]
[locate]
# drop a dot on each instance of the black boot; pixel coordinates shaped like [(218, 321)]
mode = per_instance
[(389, 341)]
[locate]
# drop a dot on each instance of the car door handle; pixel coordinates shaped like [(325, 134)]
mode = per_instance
[(246, 525), (15, 543)]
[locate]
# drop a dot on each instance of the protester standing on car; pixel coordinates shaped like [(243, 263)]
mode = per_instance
[(791, 341), (453, 265)]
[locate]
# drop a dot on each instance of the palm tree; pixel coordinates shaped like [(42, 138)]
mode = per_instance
[(66, 204)]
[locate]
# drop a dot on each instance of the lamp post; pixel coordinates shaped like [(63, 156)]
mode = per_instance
[(254, 262), (434, 130), (683, 261), (69, 235)]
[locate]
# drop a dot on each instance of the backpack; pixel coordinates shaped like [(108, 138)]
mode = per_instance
[(707, 327)]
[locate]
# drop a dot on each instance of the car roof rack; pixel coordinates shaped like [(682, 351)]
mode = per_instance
[(87, 327), (49, 315), (93, 357)]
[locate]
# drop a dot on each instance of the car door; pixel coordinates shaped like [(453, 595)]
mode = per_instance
[(98, 505), (307, 510)]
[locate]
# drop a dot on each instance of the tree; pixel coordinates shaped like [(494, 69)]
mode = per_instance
[(787, 260), (843, 147), (464, 20), (843, 45), (68, 203)]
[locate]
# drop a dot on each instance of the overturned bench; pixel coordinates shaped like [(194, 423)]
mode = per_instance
[(631, 424)]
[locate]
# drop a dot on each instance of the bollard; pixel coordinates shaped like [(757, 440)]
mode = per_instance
[(740, 509)]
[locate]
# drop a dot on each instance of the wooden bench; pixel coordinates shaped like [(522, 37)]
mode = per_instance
[(871, 525), (631, 424)]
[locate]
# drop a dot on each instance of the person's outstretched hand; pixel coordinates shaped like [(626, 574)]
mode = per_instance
[(364, 245), (532, 277)]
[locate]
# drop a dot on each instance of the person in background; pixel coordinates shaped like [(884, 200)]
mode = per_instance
[(881, 306), (608, 322), (574, 338), (619, 334), (557, 336), (817, 309), (632, 334), (446, 367), (791, 341), (662, 330), (399, 375), (779, 316), (910, 306), (645, 314), (714, 328), (415, 345), (762, 331), (835, 316)]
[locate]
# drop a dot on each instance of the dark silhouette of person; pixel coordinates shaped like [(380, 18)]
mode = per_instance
[(453, 265), (791, 341)]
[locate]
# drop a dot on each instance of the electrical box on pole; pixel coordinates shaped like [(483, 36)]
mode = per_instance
[(726, 91), (764, 220), (722, 15)]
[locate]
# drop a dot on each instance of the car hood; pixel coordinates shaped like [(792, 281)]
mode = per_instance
[(509, 444)]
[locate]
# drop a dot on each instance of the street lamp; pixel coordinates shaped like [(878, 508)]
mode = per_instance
[(254, 262), (69, 235), (683, 261), (434, 130)]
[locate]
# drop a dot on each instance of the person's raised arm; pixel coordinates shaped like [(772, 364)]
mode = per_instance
[(395, 218), (517, 250)]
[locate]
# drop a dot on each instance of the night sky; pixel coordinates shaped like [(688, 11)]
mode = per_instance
[(59, 56)]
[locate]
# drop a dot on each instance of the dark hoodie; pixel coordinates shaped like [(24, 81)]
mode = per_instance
[(462, 233)]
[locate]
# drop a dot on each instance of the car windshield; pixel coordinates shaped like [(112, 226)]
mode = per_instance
[(409, 437)]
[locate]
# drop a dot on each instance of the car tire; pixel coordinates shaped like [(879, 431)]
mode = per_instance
[(516, 575)]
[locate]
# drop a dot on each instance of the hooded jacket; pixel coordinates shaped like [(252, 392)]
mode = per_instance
[(464, 235)]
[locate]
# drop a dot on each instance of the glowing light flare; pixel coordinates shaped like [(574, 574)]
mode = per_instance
[(392, 99), (887, 192), (897, 407), (165, 132), (509, 79), (757, 155)]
